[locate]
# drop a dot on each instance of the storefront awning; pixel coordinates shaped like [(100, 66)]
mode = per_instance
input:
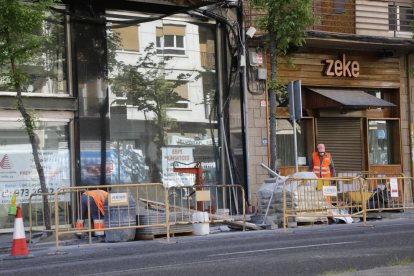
[(335, 98)]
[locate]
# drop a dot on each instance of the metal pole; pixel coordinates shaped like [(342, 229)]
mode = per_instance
[(295, 145), (245, 109), (220, 87)]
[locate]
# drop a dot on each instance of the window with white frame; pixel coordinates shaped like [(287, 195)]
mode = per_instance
[(400, 18), (171, 40)]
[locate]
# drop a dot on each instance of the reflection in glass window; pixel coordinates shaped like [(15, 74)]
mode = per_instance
[(162, 107), (47, 73), (18, 172), (128, 38), (380, 143), (170, 39), (285, 144)]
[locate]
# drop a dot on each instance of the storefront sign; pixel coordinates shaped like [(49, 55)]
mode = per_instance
[(342, 68), (394, 187)]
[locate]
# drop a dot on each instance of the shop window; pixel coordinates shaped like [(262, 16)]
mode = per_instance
[(18, 172), (400, 18), (285, 144), (383, 142), (47, 73), (128, 38), (150, 126), (170, 40)]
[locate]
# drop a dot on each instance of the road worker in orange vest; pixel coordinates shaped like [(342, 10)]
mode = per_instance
[(96, 200), (321, 163)]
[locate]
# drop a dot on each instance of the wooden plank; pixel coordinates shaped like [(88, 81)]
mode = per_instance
[(330, 82), (386, 168), (238, 224), (369, 77), (285, 171), (318, 62)]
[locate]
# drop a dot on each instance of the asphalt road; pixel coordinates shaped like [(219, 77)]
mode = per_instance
[(307, 251)]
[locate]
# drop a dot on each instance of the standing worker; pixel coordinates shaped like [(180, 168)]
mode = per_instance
[(96, 203), (321, 163)]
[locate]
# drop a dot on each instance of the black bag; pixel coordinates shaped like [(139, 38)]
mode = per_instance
[(379, 199)]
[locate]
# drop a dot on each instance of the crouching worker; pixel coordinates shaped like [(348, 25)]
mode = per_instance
[(96, 203)]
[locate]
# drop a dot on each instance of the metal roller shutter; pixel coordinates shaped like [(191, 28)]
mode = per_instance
[(342, 138)]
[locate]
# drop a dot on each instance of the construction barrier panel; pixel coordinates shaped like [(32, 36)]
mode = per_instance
[(37, 212), (388, 193), (207, 204), (126, 210), (310, 200)]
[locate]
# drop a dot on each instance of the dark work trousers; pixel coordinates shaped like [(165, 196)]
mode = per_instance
[(95, 212)]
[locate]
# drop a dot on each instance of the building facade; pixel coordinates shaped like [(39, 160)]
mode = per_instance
[(122, 92), (356, 91)]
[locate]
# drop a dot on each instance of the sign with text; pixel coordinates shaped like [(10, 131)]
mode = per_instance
[(329, 191), (342, 68), (179, 154), (18, 174), (116, 199), (394, 187)]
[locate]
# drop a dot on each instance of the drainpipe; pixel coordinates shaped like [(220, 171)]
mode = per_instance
[(407, 63), (245, 109)]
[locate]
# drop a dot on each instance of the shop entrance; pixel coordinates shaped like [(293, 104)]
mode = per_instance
[(342, 138)]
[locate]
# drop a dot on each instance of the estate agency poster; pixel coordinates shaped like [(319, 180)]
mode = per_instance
[(18, 174), (181, 155)]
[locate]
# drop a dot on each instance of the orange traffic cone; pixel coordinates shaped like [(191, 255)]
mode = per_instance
[(19, 248)]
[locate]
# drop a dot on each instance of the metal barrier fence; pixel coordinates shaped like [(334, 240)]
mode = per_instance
[(124, 204), (224, 203), (354, 173), (37, 212), (315, 199), (388, 193), (145, 206)]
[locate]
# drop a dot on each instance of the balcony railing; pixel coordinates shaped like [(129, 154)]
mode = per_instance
[(359, 17)]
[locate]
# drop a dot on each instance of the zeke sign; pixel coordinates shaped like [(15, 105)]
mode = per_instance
[(342, 68)]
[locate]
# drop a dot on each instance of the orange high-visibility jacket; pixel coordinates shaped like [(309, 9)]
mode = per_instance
[(322, 170), (99, 197)]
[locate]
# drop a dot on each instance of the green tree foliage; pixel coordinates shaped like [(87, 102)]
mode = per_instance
[(146, 86), (21, 37), (285, 23)]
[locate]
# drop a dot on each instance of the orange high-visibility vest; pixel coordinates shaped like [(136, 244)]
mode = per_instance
[(99, 197), (322, 169)]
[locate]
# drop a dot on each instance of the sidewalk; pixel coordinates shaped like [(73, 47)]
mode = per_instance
[(400, 270), (46, 245)]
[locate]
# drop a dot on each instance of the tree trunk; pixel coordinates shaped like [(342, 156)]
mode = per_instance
[(272, 99), (30, 131)]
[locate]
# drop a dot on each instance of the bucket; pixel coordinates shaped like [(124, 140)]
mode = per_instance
[(223, 213), (120, 216), (201, 229)]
